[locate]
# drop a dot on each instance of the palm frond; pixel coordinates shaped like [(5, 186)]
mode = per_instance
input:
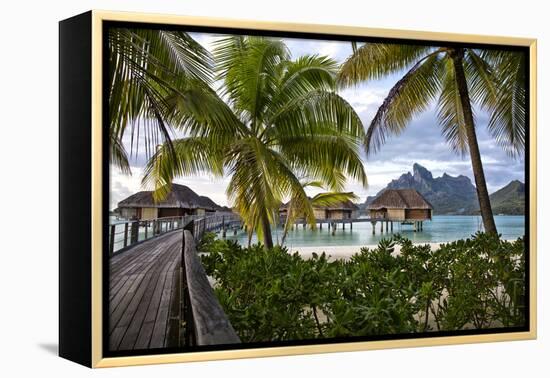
[(145, 66), (507, 123), (327, 158), (411, 95), (302, 116), (248, 69), (450, 113), (187, 156), (119, 157), (333, 198), (376, 60)]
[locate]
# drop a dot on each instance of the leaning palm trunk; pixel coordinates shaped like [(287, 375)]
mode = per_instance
[(473, 147), (287, 225), (266, 230)]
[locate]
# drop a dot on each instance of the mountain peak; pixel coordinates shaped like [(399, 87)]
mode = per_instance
[(447, 194), (419, 173)]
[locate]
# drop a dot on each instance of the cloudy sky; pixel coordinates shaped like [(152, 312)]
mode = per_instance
[(421, 142)]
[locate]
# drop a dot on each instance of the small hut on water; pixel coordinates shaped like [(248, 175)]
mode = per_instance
[(342, 210), (406, 206), (338, 211), (180, 201)]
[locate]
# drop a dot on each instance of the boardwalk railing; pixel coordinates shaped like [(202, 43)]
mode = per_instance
[(204, 321), (123, 235)]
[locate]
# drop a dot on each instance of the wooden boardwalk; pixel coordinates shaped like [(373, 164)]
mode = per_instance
[(144, 294)]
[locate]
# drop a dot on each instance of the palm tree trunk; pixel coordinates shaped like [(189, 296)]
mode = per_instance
[(287, 222), (473, 147), (266, 228)]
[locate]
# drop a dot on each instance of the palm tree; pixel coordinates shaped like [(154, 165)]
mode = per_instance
[(297, 209), (148, 71), (454, 77), (283, 120)]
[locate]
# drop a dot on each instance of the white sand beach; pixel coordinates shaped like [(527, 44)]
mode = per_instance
[(343, 252), (336, 252)]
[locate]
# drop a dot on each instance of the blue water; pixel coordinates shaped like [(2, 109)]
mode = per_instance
[(442, 228)]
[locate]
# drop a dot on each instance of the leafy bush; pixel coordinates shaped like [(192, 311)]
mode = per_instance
[(273, 295)]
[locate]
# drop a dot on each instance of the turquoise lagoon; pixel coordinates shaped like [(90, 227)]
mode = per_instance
[(442, 228)]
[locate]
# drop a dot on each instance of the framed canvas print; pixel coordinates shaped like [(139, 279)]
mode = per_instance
[(234, 189)]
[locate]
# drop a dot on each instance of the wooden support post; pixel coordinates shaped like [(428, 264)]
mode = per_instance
[(321, 226), (343, 225), (351, 225), (333, 228), (235, 231), (373, 224), (223, 227), (125, 234), (391, 225), (134, 233), (382, 227), (146, 228), (112, 240)]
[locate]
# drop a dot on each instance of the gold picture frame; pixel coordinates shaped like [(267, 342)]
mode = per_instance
[(96, 265)]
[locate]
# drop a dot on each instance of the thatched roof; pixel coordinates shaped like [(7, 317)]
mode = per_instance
[(400, 199), (180, 196), (345, 205)]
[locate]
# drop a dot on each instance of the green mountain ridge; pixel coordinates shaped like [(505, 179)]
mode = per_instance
[(508, 200)]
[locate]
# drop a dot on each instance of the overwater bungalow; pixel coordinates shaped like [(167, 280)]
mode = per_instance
[(180, 201), (342, 210), (401, 205), (406, 206)]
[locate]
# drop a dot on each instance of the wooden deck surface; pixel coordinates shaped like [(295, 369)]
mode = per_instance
[(144, 294)]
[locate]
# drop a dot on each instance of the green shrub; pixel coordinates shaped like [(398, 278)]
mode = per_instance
[(273, 295)]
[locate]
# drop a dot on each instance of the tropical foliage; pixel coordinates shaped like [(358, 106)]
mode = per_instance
[(455, 79), (280, 119), (477, 283), (149, 70)]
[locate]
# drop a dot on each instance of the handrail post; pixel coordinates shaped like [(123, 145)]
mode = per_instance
[(112, 240), (135, 232), (125, 234), (146, 228)]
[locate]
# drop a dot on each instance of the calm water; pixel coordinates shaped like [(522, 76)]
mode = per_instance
[(441, 229)]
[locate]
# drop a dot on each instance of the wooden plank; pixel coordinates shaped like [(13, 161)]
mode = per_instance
[(141, 286), (161, 321), (134, 327), (153, 310), (132, 332), (146, 330)]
